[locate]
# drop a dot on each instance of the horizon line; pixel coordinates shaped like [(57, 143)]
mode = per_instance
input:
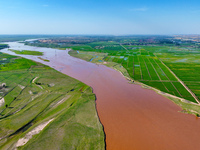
[(96, 34)]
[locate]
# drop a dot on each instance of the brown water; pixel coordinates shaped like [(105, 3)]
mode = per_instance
[(133, 118)]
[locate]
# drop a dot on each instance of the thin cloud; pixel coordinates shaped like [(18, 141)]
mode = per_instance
[(139, 9), (45, 5), (195, 11)]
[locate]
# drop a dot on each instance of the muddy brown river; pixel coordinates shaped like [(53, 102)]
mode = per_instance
[(133, 118)]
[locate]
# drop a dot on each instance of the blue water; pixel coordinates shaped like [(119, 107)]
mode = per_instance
[(182, 60), (93, 58), (137, 65), (126, 58)]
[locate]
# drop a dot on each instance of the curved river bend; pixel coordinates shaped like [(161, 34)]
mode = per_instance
[(133, 118)]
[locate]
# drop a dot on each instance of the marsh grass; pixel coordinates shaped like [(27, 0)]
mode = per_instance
[(27, 52)]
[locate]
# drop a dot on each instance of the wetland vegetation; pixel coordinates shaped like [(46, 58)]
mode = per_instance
[(26, 52), (44, 109)]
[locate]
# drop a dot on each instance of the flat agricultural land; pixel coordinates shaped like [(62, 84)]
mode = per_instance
[(42, 108), (151, 65), (186, 67)]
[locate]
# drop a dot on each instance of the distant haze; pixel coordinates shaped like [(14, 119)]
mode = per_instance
[(116, 17)]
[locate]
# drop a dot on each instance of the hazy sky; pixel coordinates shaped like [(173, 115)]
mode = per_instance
[(100, 17)]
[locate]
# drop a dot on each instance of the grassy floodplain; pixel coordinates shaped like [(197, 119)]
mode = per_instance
[(44, 59), (36, 95), (27, 52)]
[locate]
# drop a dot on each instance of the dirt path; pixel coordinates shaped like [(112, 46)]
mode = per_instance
[(34, 79), (2, 101), (29, 135), (193, 95), (36, 84), (124, 47)]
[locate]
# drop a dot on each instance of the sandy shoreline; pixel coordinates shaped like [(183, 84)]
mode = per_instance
[(2, 101), (30, 134)]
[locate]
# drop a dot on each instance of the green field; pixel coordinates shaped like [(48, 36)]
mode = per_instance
[(44, 59), (27, 52), (187, 68), (35, 94), (147, 64)]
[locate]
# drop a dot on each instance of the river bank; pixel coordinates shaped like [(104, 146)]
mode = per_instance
[(133, 117), (40, 103)]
